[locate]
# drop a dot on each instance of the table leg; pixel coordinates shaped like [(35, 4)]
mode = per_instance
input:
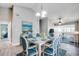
[(39, 50)]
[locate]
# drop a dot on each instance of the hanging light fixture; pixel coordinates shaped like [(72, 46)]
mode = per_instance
[(60, 22), (42, 12)]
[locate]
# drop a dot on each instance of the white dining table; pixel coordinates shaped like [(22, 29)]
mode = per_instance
[(40, 43)]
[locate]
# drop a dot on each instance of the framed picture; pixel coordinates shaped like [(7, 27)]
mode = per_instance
[(26, 27), (3, 31)]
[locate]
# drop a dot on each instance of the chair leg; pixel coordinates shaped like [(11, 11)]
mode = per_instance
[(57, 53), (37, 51), (37, 54), (43, 50)]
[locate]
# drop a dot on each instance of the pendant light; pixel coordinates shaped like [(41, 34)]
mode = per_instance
[(42, 12)]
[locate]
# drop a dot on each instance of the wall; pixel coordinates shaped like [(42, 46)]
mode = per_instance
[(50, 24), (77, 29), (4, 15), (22, 14)]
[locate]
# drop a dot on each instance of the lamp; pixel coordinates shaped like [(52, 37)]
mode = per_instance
[(42, 12)]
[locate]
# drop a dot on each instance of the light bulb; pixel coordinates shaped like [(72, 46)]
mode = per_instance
[(43, 13), (37, 14)]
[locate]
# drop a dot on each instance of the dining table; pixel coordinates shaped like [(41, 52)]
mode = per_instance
[(40, 42)]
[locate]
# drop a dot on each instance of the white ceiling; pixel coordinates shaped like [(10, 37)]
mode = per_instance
[(68, 11)]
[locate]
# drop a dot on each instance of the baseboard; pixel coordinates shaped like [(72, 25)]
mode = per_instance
[(15, 44)]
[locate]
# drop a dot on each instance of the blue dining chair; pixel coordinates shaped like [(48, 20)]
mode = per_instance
[(29, 48), (53, 50), (60, 51)]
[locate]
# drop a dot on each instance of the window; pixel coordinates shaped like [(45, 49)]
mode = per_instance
[(65, 28)]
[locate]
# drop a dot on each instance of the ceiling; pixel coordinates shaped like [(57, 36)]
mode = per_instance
[(68, 11)]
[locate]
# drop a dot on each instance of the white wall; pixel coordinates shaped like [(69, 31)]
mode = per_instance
[(50, 24), (22, 14), (4, 14)]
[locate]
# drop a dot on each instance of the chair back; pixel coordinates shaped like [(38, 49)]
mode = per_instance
[(51, 32), (24, 43), (30, 35), (56, 43), (37, 35), (59, 41)]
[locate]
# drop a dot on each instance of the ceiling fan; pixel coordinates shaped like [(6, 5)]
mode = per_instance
[(59, 22)]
